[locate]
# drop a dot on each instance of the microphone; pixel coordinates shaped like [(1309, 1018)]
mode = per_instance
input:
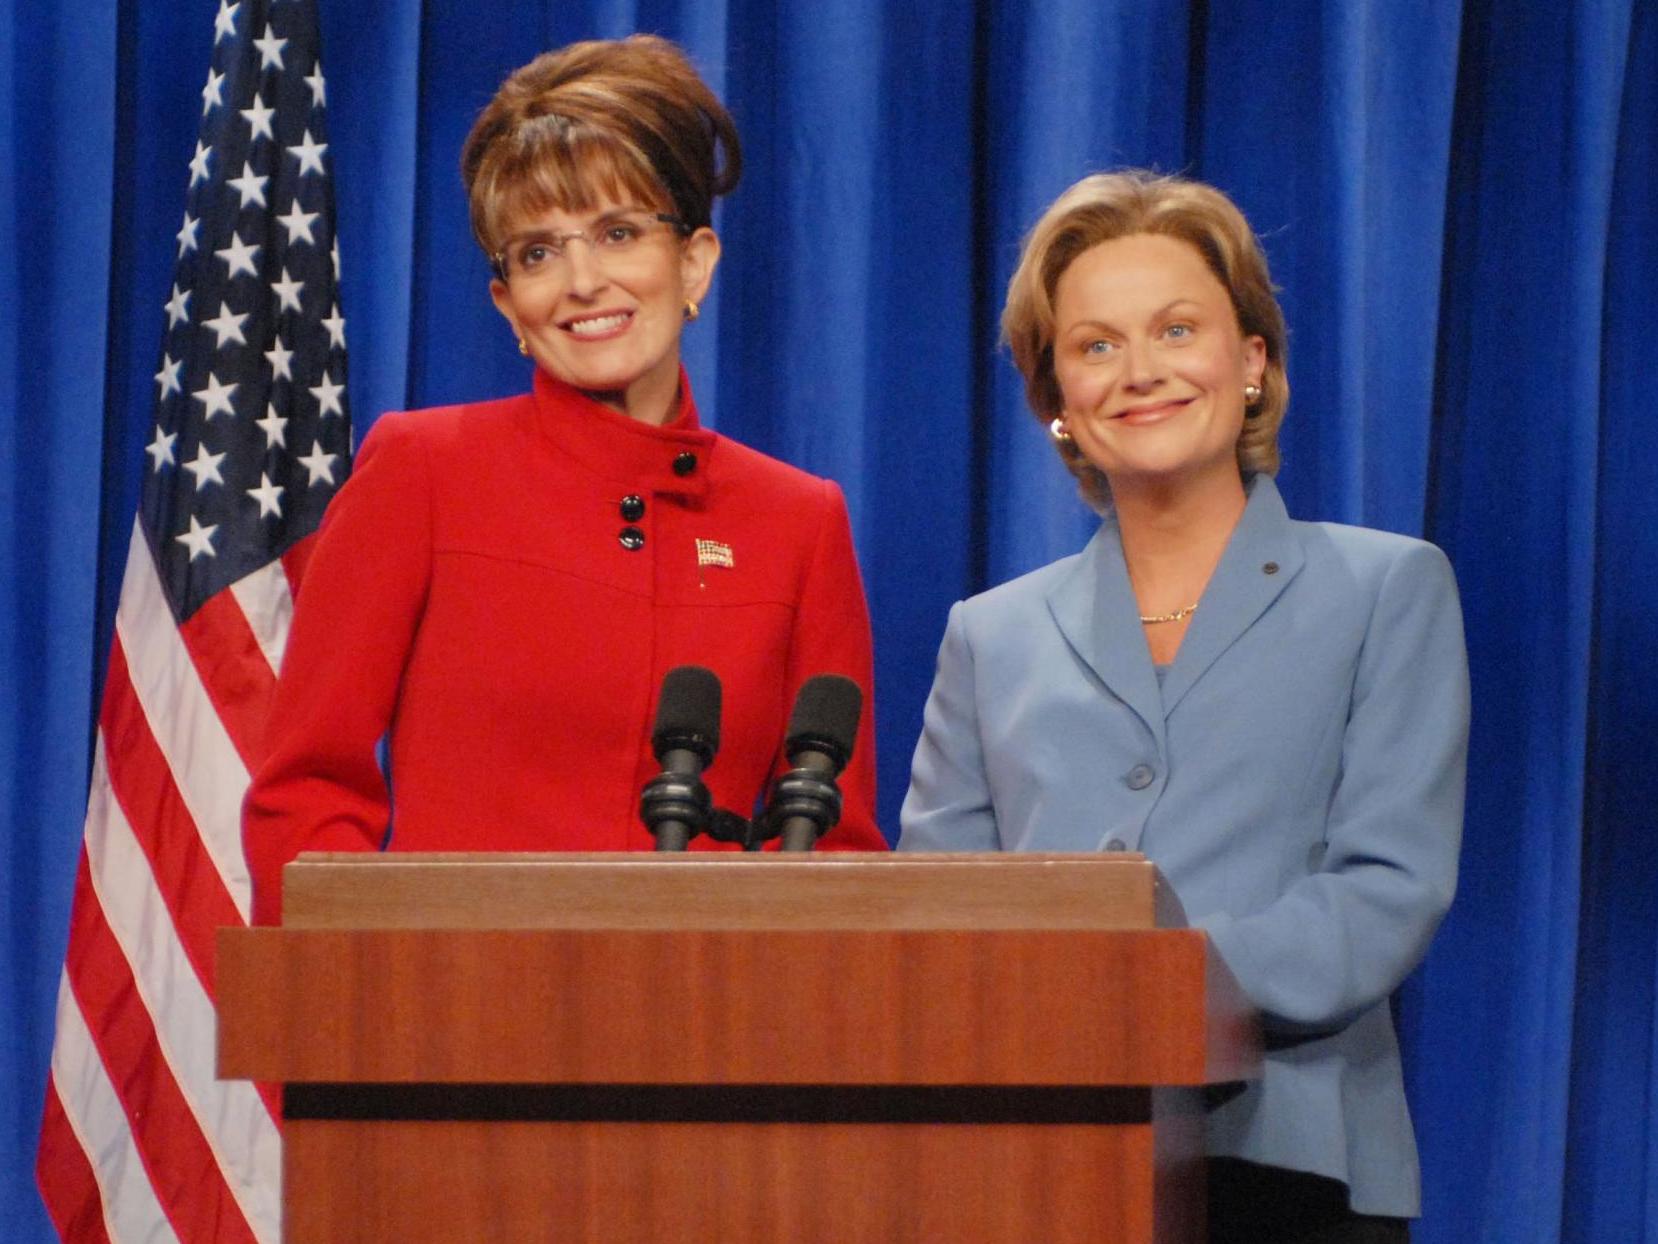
[(806, 803), (675, 805)]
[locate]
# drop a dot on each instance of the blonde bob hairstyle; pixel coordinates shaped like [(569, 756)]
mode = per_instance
[(1105, 206), (628, 118)]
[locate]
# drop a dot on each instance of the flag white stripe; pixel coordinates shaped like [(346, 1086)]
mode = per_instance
[(204, 762), (268, 605), (233, 1118), (132, 1215)]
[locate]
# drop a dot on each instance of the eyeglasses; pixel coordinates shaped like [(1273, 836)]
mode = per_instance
[(612, 237)]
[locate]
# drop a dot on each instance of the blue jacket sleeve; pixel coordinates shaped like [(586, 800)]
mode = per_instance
[(1343, 938)]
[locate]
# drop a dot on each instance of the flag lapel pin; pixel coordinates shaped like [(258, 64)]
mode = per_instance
[(713, 553)]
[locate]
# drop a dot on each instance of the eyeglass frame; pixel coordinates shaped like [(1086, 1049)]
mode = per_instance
[(561, 238)]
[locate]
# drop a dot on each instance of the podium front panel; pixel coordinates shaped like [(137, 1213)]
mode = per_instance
[(743, 1049), (1062, 1172)]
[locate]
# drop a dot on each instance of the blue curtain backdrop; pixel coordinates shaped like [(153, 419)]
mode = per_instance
[(1460, 203)]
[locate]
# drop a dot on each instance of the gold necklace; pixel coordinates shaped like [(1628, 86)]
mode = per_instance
[(1151, 619)]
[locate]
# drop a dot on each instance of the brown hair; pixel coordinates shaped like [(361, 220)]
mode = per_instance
[(619, 117), (1105, 206)]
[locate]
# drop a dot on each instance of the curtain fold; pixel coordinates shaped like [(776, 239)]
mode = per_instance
[(1515, 503), (1459, 201), (1612, 1150), (56, 104)]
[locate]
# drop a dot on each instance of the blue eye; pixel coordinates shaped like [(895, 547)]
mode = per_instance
[(1096, 347), (1178, 331), (531, 256)]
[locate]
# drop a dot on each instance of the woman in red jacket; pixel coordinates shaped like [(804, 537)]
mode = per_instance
[(500, 586)]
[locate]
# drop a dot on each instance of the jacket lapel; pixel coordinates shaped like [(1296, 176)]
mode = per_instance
[(1096, 613), (1262, 557)]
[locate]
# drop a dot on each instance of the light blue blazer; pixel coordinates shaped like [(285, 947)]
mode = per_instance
[(1297, 775)]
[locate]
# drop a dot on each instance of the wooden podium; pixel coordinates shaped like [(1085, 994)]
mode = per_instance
[(726, 1048)]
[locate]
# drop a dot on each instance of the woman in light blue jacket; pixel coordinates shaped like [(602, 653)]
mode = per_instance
[(1275, 712)]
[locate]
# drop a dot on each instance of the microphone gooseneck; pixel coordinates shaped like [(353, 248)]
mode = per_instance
[(675, 805)]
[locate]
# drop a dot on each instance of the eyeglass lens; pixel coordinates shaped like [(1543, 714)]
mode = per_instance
[(609, 237)]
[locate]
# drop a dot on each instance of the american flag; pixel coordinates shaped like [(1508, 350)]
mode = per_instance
[(251, 439)]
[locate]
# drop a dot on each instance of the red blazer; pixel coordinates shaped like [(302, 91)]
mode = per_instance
[(480, 596)]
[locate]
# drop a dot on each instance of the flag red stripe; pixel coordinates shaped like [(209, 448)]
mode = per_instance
[(182, 1169), (185, 874), (73, 1199), (233, 669)]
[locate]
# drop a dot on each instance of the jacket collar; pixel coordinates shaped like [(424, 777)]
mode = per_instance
[(631, 455), (1095, 609)]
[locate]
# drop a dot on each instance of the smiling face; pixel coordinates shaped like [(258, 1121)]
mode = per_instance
[(1150, 362), (606, 319)]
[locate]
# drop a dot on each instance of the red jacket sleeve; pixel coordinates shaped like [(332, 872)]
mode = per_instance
[(832, 636), (320, 787)]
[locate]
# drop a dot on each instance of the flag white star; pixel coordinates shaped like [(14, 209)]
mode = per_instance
[(328, 396), (212, 95), (335, 324), (298, 225), (270, 50), (199, 162), (178, 307), (259, 120), (187, 234), (239, 256), (199, 539), (287, 291), (268, 495), (205, 467), (167, 377), (309, 152), (250, 185), (224, 25), (227, 325), (161, 448), (215, 398), (319, 88), (275, 427), (278, 356), (319, 464)]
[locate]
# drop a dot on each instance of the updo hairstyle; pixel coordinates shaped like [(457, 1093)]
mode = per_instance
[(626, 118)]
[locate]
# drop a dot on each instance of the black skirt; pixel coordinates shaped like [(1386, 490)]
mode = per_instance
[(1252, 1204)]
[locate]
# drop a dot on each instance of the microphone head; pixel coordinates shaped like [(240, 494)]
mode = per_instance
[(688, 713), (825, 719)]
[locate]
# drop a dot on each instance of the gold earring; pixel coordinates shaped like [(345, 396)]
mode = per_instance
[(1252, 394), (522, 348), (691, 310), (1056, 429)]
